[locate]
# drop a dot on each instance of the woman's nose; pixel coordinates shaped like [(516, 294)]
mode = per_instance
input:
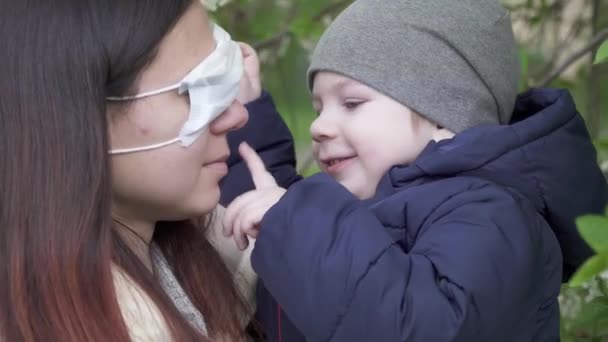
[(233, 118)]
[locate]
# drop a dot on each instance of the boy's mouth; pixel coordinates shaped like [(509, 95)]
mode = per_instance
[(337, 165)]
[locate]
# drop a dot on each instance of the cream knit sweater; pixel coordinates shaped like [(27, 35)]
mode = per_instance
[(144, 320)]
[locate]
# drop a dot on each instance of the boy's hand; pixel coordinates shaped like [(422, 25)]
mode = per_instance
[(245, 213), (251, 86)]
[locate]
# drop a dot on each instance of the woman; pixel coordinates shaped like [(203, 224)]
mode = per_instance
[(103, 210)]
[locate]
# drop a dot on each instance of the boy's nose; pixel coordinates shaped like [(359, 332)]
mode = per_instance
[(234, 117), (322, 129)]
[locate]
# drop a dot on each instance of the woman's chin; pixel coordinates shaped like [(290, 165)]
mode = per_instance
[(207, 201)]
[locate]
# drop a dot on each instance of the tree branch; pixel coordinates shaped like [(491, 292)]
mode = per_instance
[(572, 34), (284, 33), (272, 41), (596, 41)]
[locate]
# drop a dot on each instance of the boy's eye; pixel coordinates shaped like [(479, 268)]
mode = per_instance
[(352, 104)]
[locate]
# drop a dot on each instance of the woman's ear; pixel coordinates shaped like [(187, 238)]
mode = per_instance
[(442, 133)]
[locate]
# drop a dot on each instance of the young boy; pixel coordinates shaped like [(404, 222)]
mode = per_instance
[(446, 206)]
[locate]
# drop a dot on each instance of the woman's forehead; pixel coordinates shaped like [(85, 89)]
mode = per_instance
[(185, 46)]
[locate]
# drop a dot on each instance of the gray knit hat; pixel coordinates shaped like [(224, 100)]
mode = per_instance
[(453, 61)]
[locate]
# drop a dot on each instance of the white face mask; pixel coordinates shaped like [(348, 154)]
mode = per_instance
[(212, 87)]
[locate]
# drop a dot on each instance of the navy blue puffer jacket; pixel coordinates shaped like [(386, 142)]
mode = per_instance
[(469, 243)]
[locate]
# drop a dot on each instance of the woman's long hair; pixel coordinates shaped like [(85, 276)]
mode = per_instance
[(58, 62)]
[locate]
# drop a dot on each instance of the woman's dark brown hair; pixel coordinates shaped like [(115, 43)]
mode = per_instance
[(59, 60)]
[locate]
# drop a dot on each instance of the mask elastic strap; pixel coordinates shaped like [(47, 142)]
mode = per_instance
[(144, 148), (146, 94)]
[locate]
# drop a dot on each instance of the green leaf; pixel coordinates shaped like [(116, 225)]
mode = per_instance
[(592, 267), (602, 53), (594, 229), (601, 144), (524, 61), (593, 314), (307, 24)]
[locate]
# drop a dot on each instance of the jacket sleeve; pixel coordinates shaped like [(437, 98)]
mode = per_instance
[(339, 276), (267, 133)]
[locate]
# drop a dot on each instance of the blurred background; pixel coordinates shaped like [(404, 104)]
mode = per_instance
[(560, 45)]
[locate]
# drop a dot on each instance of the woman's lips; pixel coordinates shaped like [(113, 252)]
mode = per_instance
[(218, 165)]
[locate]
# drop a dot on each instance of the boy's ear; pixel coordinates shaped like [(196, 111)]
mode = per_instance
[(441, 133)]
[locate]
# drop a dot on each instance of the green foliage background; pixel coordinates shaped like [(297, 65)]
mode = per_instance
[(560, 46)]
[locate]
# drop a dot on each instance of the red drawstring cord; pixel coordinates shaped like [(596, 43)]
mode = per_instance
[(279, 328)]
